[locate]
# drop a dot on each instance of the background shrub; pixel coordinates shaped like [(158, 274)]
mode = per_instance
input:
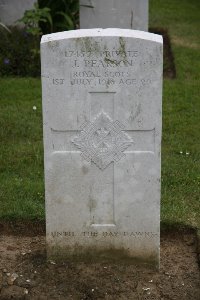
[(18, 53), (19, 48), (64, 15)]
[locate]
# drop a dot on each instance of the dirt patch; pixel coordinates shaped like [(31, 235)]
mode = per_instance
[(169, 69), (25, 273), (22, 228)]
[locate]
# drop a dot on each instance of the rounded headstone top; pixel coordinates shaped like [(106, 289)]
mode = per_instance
[(112, 32)]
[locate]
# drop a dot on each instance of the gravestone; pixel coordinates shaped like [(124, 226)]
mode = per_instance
[(13, 10), (130, 14), (102, 91)]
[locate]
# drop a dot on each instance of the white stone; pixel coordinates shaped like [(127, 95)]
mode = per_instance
[(102, 94), (130, 14), (13, 10)]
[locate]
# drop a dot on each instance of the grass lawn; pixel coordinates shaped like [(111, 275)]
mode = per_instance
[(21, 155)]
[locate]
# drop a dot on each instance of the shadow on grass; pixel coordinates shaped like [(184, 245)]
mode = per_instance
[(169, 69)]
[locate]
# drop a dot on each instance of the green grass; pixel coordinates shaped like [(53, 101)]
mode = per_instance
[(21, 155), (181, 112)]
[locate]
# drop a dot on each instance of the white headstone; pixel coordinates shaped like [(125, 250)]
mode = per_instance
[(130, 14), (102, 93), (13, 10)]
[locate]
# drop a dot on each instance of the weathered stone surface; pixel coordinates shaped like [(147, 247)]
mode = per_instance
[(129, 14), (102, 92), (13, 10)]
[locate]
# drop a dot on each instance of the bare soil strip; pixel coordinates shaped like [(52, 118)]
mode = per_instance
[(26, 274)]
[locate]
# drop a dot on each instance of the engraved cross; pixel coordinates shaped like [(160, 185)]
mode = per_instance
[(103, 141)]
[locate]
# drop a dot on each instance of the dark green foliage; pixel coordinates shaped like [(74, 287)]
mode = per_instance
[(64, 15), (34, 17), (19, 53)]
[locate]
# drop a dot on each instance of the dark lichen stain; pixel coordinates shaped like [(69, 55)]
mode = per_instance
[(88, 45), (85, 170), (122, 48), (92, 203), (108, 60), (79, 253), (53, 45), (135, 114)]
